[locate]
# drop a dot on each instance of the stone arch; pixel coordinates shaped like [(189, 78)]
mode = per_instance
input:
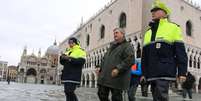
[(199, 61), (31, 76), (42, 76), (190, 61), (83, 80), (194, 62), (98, 60), (87, 80), (139, 51), (31, 71)]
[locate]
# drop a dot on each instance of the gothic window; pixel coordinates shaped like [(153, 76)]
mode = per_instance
[(122, 20), (102, 32), (88, 40), (98, 63), (90, 27), (31, 71), (188, 28), (194, 62), (51, 78)]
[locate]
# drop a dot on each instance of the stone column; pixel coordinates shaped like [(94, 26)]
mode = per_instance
[(85, 83), (90, 81), (196, 84), (96, 81)]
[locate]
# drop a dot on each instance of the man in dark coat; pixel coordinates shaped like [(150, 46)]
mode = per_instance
[(72, 60), (114, 70), (188, 85)]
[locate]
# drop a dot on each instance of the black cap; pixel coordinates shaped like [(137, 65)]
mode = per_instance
[(156, 9), (74, 40)]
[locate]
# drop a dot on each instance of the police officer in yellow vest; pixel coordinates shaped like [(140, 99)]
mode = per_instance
[(73, 60), (163, 56)]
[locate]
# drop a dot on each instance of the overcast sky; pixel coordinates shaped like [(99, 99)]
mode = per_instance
[(36, 23)]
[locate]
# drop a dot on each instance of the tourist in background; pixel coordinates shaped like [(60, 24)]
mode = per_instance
[(188, 85), (136, 72)]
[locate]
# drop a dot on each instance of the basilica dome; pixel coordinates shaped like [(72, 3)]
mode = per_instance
[(53, 50)]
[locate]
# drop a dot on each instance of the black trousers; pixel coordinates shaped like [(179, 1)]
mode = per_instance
[(159, 89), (69, 89), (132, 92), (188, 91), (144, 89), (103, 93)]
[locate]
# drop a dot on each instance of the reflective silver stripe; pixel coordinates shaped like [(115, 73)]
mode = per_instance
[(168, 42), (70, 81), (156, 41), (163, 78)]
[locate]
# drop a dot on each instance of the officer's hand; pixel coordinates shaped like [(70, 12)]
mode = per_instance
[(65, 57), (182, 78), (115, 72)]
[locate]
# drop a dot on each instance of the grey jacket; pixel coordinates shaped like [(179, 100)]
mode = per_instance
[(118, 56)]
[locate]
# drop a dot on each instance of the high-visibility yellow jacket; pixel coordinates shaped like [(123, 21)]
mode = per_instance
[(163, 53), (73, 61)]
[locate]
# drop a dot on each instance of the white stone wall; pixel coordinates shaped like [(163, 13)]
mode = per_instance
[(138, 16)]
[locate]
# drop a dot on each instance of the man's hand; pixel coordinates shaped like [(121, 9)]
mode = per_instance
[(63, 56), (142, 78), (98, 70), (115, 72), (182, 78)]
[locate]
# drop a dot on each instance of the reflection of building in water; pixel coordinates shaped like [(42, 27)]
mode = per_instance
[(134, 16), (37, 69)]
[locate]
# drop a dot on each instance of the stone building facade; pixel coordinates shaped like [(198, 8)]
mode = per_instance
[(134, 16), (40, 69), (12, 73), (3, 70)]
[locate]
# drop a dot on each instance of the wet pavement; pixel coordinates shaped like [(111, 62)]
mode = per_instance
[(38, 92)]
